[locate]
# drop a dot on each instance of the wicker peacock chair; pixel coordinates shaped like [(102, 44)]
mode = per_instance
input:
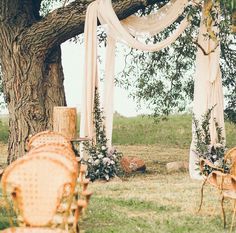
[(38, 184), (220, 180)]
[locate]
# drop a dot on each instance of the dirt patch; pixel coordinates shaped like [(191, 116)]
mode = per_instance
[(155, 156)]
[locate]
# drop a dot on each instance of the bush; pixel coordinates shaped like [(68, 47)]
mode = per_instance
[(3, 132)]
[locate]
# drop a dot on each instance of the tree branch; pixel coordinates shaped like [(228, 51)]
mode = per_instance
[(67, 22)]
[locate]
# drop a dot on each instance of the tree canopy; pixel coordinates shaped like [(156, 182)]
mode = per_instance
[(165, 78)]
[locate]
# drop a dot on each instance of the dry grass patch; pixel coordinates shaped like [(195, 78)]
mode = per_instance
[(155, 156)]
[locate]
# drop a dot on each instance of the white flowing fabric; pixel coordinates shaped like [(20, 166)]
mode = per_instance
[(116, 32), (156, 22), (90, 72), (208, 91)]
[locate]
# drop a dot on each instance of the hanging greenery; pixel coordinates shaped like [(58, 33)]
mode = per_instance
[(163, 81), (205, 150), (103, 162)]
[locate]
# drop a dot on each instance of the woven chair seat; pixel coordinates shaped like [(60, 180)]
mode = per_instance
[(32, 230), (231, 155), (46, 137)]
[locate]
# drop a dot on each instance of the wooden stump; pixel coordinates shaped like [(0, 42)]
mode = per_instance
[(65, 121)]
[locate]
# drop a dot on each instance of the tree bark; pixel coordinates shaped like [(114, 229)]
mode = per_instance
[(30, 57)]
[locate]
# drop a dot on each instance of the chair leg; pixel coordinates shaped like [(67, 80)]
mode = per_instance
[(233, 216), (223, 211), (201, 200)]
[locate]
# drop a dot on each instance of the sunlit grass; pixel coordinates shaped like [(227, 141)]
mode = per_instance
[(174, 132), (154, 204)]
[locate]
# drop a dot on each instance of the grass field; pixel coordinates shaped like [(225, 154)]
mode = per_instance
[(141, 130), (161, 203), (155, 201)]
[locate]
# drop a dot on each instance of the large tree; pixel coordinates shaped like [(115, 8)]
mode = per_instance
[(30, 58)]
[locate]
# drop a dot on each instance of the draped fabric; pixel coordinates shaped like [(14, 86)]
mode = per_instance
[(208, 86), (117, 31), (208, 91), (90, 72), (156, 22)]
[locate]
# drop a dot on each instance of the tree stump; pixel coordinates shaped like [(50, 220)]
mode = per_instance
[(65, 121)]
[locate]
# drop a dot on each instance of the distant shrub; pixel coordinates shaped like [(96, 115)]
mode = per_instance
[(3, 132)]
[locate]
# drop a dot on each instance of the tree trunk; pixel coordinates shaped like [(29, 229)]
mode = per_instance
[(32, 87)]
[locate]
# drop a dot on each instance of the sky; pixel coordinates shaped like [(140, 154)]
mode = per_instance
[(73, 63)]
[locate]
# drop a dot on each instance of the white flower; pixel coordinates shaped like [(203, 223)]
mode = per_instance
[(112, 162), (214, 156), (216, 163), (103, 148), (90, 160), (105, 160), (100, 156), (97, 161)]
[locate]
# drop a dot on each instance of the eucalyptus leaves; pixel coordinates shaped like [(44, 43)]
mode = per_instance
[(214, 154), (103, 162)]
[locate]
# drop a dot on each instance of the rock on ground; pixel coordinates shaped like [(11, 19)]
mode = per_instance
[(177, 166), (132, 164)]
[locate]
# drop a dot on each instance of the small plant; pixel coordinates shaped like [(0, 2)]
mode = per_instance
[(103, 163), (205, 150)]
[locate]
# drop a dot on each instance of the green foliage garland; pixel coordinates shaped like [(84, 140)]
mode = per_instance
[(103, 162), (213, 153)]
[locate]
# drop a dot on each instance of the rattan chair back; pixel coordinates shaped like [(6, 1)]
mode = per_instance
[(68, 161), (37, 184), (46, 137), (62, 148)]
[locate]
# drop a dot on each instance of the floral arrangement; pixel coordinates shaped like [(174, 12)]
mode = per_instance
[(212, 153), (103, 163)]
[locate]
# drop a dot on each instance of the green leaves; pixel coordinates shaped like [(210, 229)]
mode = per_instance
[(103, 162), (163, 81), (204, 148), (47, 5)]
